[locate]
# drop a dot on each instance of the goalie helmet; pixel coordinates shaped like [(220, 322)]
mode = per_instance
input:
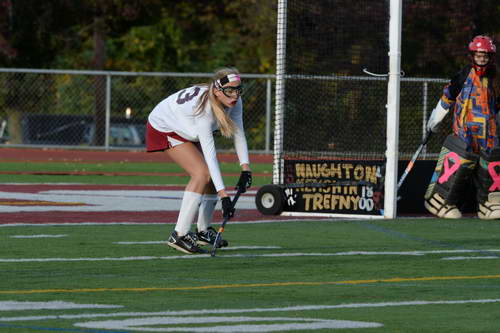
[(482, 44)]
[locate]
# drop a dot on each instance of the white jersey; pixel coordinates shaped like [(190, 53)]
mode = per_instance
[(177, 113)]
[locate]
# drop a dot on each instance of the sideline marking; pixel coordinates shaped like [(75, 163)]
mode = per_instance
[(141, 243), (226, 324), (52, 305), (251, 285), (280, 219), (57, 329), (40, 203), (470, 258), (403, 235), (252, 310), (267, 255), (38, 236), (250, 247)]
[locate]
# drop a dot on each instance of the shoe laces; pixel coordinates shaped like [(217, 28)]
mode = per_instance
[(211, 233), (190, 238)]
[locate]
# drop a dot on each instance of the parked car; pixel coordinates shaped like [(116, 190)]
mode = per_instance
[(80, 130), (120, 134)]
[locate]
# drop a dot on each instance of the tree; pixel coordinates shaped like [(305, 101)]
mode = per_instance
[(50, 34), (436, 33)]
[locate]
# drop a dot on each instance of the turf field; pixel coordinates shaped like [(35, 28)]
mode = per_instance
[(117, 173), (75, 270), (420, 275)]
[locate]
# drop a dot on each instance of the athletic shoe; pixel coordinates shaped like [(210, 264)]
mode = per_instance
[(208, 238), (186, 243)]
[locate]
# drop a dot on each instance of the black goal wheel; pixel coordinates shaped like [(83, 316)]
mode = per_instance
[(270, 200)]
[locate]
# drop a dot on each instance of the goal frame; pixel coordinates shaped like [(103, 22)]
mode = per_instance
[(392, 106)]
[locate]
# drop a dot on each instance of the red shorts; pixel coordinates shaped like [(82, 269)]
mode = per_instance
[(160, 141)]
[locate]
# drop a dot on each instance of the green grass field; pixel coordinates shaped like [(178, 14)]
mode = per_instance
[(273, 275), (404, 275), (263, 173)]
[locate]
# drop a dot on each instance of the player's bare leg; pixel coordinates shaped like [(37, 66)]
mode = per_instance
[(188, 156)]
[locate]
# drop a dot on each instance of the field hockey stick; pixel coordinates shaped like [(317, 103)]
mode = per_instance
[(221, 229), (413, 159)]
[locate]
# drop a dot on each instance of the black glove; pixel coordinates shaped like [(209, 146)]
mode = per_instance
[(245, 181), (227, 208)]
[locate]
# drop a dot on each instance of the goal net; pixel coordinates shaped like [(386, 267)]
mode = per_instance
[(331, 116)]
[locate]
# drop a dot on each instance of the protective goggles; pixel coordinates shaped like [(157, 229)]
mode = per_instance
[(232, 91), (229, 91)]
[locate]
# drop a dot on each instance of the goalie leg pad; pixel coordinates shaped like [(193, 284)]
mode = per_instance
[(487, 181), (451, 177)]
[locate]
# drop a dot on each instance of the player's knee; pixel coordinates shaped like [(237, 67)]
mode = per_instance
[(202, 177)]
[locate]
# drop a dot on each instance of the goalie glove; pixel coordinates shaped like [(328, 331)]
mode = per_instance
[(436, 117)]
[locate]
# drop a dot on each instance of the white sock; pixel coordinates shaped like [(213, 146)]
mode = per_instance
[(189, 208), (206, 211)]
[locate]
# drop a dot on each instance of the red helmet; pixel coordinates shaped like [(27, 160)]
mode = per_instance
[(482, 44)]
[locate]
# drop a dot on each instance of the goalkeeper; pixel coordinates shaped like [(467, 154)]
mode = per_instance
[(471, 153)]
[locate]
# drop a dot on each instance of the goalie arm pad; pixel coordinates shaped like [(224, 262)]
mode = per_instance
[(436, 117)]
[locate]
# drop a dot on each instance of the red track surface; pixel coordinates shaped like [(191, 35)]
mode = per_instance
[(59, 216), (53, 212)]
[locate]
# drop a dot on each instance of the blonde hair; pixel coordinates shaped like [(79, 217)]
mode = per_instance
[(226, 124)]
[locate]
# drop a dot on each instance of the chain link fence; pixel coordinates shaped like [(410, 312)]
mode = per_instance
[(108, 110)]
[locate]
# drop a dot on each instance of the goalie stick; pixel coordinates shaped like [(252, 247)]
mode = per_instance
[(221, 229), (413, 159)]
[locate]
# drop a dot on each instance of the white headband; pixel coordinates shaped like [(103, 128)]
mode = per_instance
[(226, 79)]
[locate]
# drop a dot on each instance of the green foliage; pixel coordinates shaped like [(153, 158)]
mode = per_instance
[(65, 102), (139, 93), (198, 36), (436, 34), (153, 35)]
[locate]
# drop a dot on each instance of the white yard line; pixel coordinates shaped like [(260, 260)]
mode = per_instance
[(252, 310), (77, 224), (225, 249), (53, 305), (220, 324), (471, 258), (38, 236), (295, 254)]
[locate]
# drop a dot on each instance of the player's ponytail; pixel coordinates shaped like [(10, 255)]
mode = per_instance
[(226, 124)]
